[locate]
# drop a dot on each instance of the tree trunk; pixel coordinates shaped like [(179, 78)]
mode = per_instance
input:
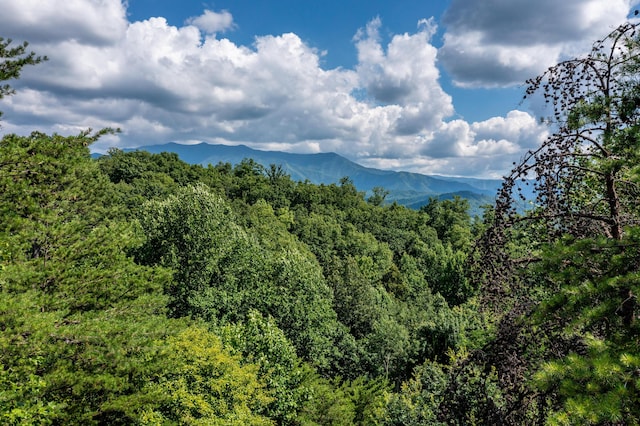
[(614, 206)]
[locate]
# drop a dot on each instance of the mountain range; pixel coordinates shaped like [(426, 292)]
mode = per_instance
[(410, 189)]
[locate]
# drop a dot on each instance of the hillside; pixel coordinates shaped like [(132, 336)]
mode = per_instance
[(411, 189)]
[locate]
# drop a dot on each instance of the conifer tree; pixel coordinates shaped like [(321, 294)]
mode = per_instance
[(562, 279), (12, 60)]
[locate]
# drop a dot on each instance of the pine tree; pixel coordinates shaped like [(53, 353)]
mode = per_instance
[(562, 279), (12, 60)]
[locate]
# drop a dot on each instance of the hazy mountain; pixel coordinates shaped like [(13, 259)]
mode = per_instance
[(411, 189)]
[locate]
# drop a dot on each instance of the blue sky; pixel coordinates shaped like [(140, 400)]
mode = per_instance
[(329, 26), (424, 86)]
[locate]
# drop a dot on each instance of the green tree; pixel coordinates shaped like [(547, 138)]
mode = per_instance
[(596, 380), (562, 279), (259, 341), (78, 315), (328, 403), (12, 60), (379, 194), (222, 271), (202, 385), (417, 401), (192, 232), (450, 219)]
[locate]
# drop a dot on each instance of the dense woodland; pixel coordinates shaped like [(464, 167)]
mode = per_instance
[(138, 289)]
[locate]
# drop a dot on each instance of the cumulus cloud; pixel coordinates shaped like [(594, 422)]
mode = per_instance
[(503, 42), (406, 74), (213, 22), (514, 133), (92, 21), (484, 148), (160, 83)]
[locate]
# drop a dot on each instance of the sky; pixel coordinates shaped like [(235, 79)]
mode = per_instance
[(429, 86)]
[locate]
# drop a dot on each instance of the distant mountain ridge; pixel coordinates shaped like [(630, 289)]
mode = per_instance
[(411, 189)]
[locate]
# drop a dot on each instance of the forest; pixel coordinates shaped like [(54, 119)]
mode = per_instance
[(137, 289)]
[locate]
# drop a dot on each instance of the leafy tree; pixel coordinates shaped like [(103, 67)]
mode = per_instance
[(369, 398), (417, 401), (191, 232), (378, 196), (328, 403), (450, 219), (204, 385), (250, 183), (259, 341), (222, 271), (281, 186)]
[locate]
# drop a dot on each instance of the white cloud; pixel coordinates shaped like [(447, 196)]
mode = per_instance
[(485, 148), (212, 22), (163, 83), (503, 42), (406, 74), (90, 21), (518, 126), (514, 133)]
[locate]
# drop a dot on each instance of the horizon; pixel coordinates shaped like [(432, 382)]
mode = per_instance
[(436, 176), (424, 87)]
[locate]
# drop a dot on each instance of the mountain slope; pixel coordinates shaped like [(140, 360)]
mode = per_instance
[(410, 189), (327, 168)]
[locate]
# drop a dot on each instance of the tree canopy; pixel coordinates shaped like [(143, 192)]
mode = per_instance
[(138, 289)]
